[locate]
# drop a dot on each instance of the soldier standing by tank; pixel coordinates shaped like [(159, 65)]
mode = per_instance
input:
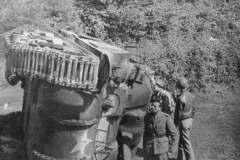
[(158, 126), (183, 119), (164, 97)]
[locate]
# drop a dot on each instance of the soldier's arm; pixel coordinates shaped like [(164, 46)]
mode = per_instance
[(182, 102), (174, 135), (176, 114), (180, 105)]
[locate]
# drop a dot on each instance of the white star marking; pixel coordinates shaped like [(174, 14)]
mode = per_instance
[(82, 141)]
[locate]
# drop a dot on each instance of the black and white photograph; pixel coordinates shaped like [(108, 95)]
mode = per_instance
[(119, 79)]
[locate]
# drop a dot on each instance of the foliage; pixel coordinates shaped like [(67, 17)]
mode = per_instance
[(47, 14), (197, 39)]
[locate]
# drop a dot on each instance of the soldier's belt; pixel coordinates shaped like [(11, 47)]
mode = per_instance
[(184, 118), (59, 62)]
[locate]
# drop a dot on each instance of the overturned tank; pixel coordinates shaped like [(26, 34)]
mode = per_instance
[(83, 99)]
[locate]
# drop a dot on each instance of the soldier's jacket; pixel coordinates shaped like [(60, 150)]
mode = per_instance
[(166, 100), (157, 129), (184, 106)]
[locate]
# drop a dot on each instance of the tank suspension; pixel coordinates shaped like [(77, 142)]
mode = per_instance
[(67, 65)]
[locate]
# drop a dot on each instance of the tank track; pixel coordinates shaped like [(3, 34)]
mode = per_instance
[(77, 59)]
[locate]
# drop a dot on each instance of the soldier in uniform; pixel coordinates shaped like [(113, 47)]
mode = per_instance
[(183, 119), (165, 97), (158, 126)]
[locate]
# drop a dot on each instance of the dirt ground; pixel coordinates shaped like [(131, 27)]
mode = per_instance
[(216, 130)]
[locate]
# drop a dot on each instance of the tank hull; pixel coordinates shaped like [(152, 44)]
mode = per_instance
[(78, 96)]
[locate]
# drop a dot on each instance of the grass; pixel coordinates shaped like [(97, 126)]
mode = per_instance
[(216, 132), (216, 129)]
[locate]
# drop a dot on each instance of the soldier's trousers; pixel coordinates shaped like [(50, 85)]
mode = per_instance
[(185, 151), (163, 156)]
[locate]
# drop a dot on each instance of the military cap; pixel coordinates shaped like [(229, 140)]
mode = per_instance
[(182, 83), (156, 100)]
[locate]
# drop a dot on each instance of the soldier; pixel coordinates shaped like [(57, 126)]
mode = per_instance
[(183, 119), (165, 97), (158, 126)]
